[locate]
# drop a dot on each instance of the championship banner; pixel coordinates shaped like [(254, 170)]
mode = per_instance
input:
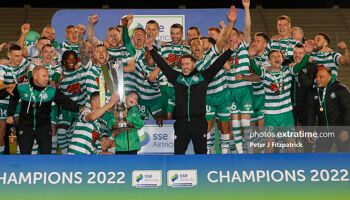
[(201, 18), (320, 176)]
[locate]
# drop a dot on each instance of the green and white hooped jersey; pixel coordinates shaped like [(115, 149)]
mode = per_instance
[(73, 85), (173, 54), (263, 61), (330, 60), (64, 46), (146, 89), (50, 68), (87, 136), (285, 46), (10, 75), (277, 87), (92, 80), (239, 61), (120, 53), (218, 83)]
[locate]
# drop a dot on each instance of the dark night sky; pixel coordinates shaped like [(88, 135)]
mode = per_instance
[(174, 3)]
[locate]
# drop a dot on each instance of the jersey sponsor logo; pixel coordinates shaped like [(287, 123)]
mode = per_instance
[(174, 60), (320, 66), (273, 87), (74, 88), (21, 78), (95, 136)]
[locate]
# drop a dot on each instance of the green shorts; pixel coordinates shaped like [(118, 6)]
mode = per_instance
[(66, 117), (258, 107), (171, 99), (242, 100), (283, 122), (153, 106), (218, 105)]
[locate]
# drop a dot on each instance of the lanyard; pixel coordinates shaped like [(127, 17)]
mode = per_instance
[(322, 102), (279, 81), (188, 97)]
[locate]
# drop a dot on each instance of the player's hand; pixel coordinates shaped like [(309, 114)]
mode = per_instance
[(117, 132), (232, 16), (5, 62), (246, 3), (9, 120), (93, 19), (308, 46), (153, 76), (222, 25), (159, 121), (239, 77), (25, 28), (227, 66), (253, 50), (81, 28), (130, 18), (3, 46), (292, 64), (114, 98), (342, 45), (125, 114), (149, 43), (276, 37), (343, 136), (9, 89), (124, 21)]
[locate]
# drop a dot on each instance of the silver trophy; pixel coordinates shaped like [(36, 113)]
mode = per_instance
[(114, 78)]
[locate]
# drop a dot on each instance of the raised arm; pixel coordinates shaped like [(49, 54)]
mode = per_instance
[(90, 34), (247, 22), (101, 111), (232, 16), (252, 51), (81, 43), (125, 36), (25, 28), (158, 59), (344, 59)]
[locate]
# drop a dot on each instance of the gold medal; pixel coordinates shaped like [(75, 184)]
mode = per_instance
[(321, 109), (175, 67), (233, 69), (33, 105)]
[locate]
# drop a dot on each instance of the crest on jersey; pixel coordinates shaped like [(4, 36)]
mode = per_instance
[(333, 95)]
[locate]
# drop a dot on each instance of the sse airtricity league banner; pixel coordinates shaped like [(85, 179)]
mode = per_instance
[(320, 176)]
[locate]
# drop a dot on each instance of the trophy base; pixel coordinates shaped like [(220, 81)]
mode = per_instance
[(122, 126)]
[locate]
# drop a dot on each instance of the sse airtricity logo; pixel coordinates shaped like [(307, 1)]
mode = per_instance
[(147, 178), (182, 178), (144, 139)]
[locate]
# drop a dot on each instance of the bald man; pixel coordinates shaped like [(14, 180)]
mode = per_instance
[(329, 102), (34, 118)]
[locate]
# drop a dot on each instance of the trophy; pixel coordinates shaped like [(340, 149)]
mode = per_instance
[(113, 75)]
